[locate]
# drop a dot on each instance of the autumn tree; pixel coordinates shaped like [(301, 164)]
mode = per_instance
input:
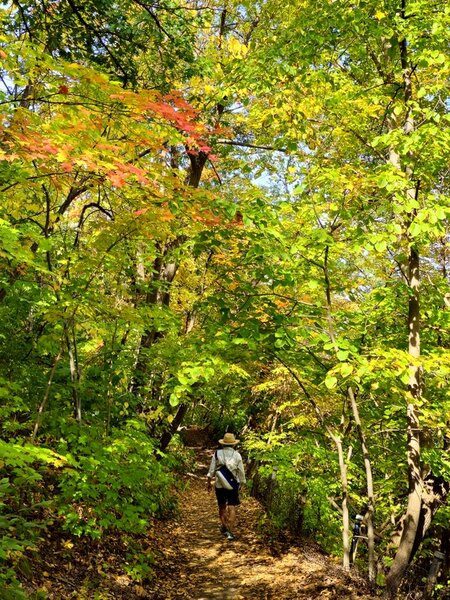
[(234, 214)]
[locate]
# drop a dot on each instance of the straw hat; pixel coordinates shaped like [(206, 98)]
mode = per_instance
[(229, 440)]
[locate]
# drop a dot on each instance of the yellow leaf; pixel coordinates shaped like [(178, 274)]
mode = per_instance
[(380, 15), (236, 48), (61, 156)]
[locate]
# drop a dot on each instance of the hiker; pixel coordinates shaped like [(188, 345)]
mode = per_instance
[(227, 499)]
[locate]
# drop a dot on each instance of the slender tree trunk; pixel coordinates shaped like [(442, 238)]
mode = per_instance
[(370, 491), (158, 294), (344, 504), (337, 440), (74, 370), (415, 482), (43, 404), (342, 467)]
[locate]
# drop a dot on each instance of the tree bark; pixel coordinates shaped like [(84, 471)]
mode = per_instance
[(415, 481), (370, 490), (344, 504), (178, 419), (74, 368), (158, 293)]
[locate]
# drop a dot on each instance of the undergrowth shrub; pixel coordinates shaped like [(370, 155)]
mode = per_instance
[(295, 480), (138, 564), (233, 422), (179, 458), (115, 482), (14, 410), (282, 493), (93, 483), (24, 503)]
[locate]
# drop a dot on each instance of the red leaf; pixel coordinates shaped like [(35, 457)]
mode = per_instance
[(141, 211)]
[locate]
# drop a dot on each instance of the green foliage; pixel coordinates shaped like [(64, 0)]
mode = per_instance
[(14, 409), (296, 481), (179, 459), (11, 588), (139, 565), (233, 420), (114, 483), (24, 503)]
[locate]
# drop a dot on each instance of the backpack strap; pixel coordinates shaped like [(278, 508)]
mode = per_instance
[(221, 464)]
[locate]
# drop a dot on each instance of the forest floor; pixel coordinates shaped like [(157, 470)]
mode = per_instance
[(194, 561)]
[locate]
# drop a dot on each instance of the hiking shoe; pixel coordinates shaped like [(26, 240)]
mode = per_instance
[(229, 535)]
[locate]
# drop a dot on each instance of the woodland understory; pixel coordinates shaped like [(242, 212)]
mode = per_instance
[(226, 216)]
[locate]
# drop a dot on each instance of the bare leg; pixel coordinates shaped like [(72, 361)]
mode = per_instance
[(223, 515), (231, 518)]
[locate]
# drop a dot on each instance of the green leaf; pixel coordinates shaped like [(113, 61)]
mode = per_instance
[(421, 92), (174, 399), (346, 369), (380, 246), (183, 378), (331, 381)]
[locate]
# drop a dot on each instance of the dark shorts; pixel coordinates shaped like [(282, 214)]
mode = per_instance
[(230, 497)]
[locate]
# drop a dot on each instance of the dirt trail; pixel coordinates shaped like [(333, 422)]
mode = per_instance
[(198, 563)]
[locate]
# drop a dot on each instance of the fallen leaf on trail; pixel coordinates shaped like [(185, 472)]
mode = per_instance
[(140, 591)]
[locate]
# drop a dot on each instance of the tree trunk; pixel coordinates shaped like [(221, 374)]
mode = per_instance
[(43, 404), (164, 271), (344, 505), (370, 491), (177, 420), (74, 369), (415, 482), (434, 495)]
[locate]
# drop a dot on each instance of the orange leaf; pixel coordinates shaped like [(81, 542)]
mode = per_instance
[(167, 216), (117, 179)]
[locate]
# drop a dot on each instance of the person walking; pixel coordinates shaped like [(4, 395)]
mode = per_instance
[(227, 499)]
